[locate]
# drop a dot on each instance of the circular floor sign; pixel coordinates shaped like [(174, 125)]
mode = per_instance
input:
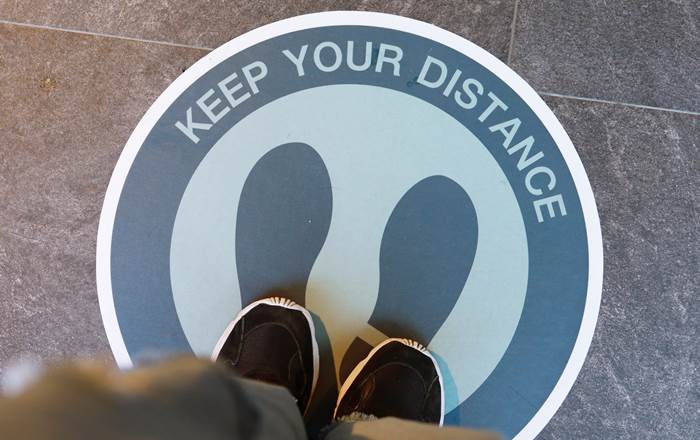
[(392, 177)]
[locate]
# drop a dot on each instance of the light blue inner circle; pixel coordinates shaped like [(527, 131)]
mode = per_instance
[(376, 146)]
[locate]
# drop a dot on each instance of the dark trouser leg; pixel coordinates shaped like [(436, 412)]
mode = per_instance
[(392, 428), (180, 399)]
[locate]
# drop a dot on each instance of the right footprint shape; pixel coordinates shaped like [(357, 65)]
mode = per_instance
[(426, 254)]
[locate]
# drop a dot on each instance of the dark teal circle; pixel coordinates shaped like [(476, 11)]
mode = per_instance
[(558, 251)]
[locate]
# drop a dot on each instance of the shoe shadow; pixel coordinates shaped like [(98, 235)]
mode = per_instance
[(449, 389), (320, 412)]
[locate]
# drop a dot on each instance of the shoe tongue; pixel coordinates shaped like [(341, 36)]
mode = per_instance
[(394, 391), (265, 375), (287, 374), (276, 363), (293, 384)]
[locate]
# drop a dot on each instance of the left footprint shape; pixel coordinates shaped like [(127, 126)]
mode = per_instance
[(283, 218)]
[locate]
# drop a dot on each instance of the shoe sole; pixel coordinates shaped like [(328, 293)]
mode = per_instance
[(408, 342), (278, 302)]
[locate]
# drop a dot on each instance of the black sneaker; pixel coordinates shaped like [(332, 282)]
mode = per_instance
[(273, 340), (399, 378)]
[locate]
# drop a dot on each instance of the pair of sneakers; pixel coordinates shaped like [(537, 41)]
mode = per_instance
[(273, 340)]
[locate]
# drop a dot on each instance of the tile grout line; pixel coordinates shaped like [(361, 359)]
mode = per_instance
[(510, 49), (98, 34), (512, 33), (627, 104)]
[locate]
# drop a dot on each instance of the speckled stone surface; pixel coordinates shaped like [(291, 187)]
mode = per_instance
[(641, 377), (635, 51), (210, 23), (69, 102)]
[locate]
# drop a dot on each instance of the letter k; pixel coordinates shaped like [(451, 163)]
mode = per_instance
[(188, 129)]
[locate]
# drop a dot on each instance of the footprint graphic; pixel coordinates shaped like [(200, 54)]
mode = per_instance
[(283, 218), (426, 254)]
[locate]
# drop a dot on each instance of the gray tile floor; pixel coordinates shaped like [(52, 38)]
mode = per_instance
[(622, 76)]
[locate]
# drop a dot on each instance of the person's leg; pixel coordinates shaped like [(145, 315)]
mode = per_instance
[(393, 428), (395, 392), (267, 369), (179, 399)]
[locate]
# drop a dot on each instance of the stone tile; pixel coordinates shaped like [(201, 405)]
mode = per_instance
[(210, 23), (641, 378), (69, 102), (636, 51)]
